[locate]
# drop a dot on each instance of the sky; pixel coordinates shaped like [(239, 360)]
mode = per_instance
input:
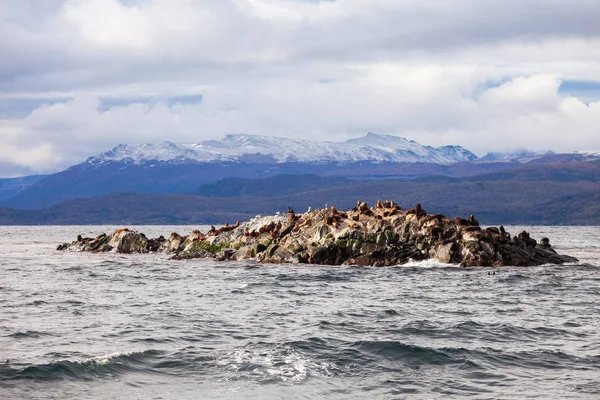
[(78, 77)]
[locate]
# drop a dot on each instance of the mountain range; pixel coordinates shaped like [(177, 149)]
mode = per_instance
[(554, 193), (167, 167), (264, 149), (238, 175)]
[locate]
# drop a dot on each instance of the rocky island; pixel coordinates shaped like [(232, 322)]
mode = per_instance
[(382, 235)]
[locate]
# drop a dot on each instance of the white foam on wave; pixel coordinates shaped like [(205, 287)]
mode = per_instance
[(102, 360), (106, 358), (430, 263), (273, 361)]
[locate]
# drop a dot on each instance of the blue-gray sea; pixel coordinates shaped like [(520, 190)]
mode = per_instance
[(110, 326)]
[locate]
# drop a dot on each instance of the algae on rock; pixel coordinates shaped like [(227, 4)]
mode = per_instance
[(378, 236)]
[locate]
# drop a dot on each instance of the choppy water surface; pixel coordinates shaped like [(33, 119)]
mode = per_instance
[(103, 326)]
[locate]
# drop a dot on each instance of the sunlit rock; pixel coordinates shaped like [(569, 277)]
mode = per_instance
[(378, 236)]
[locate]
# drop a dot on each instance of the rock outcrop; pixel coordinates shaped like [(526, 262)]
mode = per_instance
[(381, 235)]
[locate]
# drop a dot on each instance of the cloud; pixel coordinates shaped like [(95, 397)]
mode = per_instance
[(109, 23), (485, 75), (523, 112)]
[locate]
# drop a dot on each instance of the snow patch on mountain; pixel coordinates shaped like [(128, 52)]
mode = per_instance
[(513, 155), (263, 149), (590, 155)]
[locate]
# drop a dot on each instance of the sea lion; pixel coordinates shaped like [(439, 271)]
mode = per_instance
[(472, 221), (477, 235), (290, 211), (418, 211), (267, 228), (493, 229), (432, 217), (461, 221), (228, 227), (529, 242), (274, 230), (362, 206), (286, 231), (197, 235), (391, 212), (391, 204), (436, 232)]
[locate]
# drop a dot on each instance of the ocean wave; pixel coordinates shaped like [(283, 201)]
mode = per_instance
[(86, 369), (272, 362), (411, 354), (28, 334), (489, 332), (480, 358)]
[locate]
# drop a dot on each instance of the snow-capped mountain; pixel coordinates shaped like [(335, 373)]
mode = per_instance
[(513, 155), (263, 149), (590, 155)]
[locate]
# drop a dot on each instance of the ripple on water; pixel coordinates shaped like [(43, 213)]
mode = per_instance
[(97, 325), (100, 367)]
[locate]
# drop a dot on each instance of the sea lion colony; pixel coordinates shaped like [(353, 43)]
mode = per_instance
[(379, 236)]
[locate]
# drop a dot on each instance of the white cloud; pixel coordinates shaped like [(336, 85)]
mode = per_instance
[(519, 113), (108, 23), (315, 69)]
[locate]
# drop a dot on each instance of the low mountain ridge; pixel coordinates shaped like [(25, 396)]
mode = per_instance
[(10, 187), (273, 186), (514, 155), (515, 197)]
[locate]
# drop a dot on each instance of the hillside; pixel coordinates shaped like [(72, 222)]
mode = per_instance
[(10, 187), (84, 182), (518, 197)]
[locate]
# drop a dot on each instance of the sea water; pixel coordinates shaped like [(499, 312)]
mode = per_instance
[(112, 326)]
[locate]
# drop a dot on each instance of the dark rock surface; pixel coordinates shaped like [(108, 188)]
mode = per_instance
[(378, 236)]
